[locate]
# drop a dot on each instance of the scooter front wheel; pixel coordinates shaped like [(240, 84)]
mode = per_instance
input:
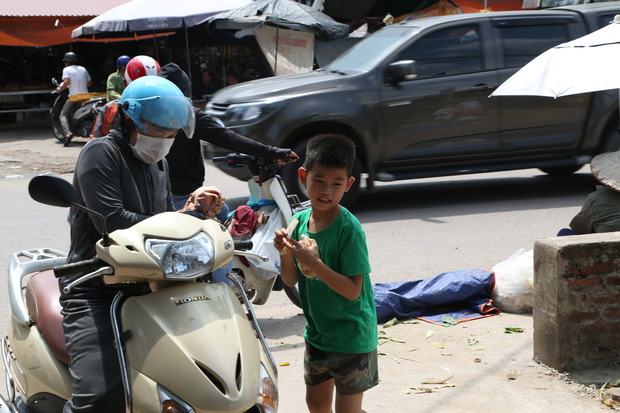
[(293, 294)]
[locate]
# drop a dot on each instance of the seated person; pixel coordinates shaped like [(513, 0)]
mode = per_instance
[(601, 210)]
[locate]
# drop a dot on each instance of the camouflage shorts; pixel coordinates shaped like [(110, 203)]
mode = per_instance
[(352, 373)]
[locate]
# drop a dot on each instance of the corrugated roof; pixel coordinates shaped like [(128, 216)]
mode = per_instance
[(57, 8)]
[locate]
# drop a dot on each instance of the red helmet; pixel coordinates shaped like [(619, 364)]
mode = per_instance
[(141, 66)]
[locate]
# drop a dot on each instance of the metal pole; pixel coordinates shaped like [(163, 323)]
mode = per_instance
[(225, 64), (189, 63), (156, 48), (275, 70)]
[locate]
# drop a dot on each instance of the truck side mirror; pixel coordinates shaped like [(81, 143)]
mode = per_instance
[(400, 71)]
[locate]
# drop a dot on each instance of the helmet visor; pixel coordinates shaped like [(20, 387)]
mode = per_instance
[(163, 114)]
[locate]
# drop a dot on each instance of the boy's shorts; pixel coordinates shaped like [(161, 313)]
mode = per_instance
[(352, 373)]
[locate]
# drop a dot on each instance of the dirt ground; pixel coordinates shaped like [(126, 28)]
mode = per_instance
[(469, 367), (423, 367), (24, 153)]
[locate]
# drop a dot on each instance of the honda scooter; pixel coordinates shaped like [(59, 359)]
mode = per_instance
[(82, 117), (186, 346), (269, 198)]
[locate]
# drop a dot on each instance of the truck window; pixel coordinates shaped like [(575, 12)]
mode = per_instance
[(446, 52), (366, 54), (523, 43)]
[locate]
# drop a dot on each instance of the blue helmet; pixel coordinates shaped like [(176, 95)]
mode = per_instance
[(122, 61), (158, 103)]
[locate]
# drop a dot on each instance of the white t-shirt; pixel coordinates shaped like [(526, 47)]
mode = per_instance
[(78, 79)]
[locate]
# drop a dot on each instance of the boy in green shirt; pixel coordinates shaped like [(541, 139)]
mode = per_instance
[(336, 294)]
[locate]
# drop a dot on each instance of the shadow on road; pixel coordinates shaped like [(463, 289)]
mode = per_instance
[(277, 328), (436, 198)]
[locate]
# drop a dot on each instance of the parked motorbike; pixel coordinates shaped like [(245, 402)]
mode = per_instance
[(82, 117), (185, 346), (268, 196)]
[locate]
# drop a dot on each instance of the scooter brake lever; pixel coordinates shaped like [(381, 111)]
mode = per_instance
[(251, 255), (101, 271)]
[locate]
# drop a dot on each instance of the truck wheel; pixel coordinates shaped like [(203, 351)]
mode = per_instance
[(561, 170), (293, 184)]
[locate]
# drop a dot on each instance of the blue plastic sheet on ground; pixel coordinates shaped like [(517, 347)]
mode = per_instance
[(463, 295)]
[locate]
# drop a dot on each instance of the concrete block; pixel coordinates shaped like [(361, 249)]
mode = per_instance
[(576, 306)]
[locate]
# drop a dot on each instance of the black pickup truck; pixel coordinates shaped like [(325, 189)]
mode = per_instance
[(414, 97)]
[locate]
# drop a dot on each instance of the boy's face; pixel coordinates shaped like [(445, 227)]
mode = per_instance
[(325, 186)]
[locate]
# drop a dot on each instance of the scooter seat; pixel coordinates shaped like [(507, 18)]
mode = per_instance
[(42, 300)]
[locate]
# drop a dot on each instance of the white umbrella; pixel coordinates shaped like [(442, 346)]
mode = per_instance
[(587, 64), (154, 15)]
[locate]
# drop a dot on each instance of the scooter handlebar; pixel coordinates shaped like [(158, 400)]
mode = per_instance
[(256, 165), (77, 267), (244, 245)]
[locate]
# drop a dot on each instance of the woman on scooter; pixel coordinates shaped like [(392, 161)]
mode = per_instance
[(124, 176)]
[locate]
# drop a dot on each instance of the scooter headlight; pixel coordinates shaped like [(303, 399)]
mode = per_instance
[(183, 259), (268, 392), (170, 403)]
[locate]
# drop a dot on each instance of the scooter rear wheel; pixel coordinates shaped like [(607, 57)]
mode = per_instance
[(57, 130), (293, 294)]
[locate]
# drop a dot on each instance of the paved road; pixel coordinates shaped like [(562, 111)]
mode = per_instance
[(415, 229)]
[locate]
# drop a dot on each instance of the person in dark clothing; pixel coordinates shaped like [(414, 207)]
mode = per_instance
[(187, 171), (208, 86), (124, 176), (601, 209)]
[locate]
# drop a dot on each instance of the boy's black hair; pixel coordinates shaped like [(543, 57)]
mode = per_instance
[(330, 150)]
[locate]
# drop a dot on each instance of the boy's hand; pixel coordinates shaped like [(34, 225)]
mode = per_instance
[(305, 255), (278, 240), (286, 234)]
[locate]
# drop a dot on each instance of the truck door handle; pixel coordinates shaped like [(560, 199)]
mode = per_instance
[(481, 87)]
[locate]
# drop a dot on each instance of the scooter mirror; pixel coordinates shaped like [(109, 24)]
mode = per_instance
[(51, 190)]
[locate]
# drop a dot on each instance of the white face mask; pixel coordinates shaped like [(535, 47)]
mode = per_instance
[(151, 150)]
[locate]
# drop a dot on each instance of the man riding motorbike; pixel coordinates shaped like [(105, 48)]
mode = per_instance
[(124, 176), (77, 79)]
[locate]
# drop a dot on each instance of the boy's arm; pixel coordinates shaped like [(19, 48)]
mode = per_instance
[(288, 272), (348, 287)]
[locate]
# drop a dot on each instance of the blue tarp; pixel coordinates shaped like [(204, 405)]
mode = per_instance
[(463, 295)]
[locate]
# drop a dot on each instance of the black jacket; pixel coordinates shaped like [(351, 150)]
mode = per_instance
[(111, 180), (187, 171)]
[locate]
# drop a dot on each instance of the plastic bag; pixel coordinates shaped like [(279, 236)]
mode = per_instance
[(263, 242), (514, 283)]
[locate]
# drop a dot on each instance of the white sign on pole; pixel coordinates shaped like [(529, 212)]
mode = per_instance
[(287, 51)]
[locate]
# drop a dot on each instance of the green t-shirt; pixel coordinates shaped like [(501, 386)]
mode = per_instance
[(334, 323)]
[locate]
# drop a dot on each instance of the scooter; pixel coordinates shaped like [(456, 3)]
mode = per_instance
[(269, 198), (186, 346), (82, 117)]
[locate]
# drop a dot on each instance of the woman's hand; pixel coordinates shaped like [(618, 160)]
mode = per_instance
[(293, 158), (206, 199)]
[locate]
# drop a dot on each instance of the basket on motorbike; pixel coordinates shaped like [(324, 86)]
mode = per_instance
[(80, 97)]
